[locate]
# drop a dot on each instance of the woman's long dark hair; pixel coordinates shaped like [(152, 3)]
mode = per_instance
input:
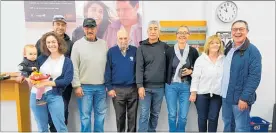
[(106, 16)]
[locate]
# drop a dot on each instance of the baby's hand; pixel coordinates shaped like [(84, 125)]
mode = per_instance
[(30, 82), (19, 79), (34, 68)]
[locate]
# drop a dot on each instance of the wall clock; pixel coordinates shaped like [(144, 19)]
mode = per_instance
[(227, 11)]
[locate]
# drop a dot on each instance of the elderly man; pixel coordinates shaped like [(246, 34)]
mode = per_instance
[(241, 78), (120, 81), (129, 19), (150, 77), (89, 60), (59, 27)]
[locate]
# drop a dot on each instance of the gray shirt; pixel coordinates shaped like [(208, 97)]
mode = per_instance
[(89, 59)]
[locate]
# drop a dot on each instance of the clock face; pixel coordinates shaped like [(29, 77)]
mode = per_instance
[(227, 11)]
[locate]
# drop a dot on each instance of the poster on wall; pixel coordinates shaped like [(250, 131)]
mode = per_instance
[(43, 11), (110, 16)]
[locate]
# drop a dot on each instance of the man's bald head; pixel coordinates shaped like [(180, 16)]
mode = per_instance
[(122, 32), (122, 38)]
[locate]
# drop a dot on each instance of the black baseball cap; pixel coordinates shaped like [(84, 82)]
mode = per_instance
[(89, 22)]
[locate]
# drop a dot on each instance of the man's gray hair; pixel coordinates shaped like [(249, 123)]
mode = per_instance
[(155, 22)]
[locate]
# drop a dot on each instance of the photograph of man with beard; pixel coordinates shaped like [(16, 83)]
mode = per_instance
[(130, 19)]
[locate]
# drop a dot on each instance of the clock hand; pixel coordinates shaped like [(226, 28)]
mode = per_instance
[(225, 9)]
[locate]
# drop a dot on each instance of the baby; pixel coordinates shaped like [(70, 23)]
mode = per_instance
[(29, 65)]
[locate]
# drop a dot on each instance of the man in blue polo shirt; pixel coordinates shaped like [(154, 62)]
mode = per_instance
[(120, 81)]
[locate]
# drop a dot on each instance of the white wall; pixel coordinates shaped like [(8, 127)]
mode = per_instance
[(172, 10), (259, 15), (12, 34)]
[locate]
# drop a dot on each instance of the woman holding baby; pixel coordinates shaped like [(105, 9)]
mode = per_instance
[(60, 69)]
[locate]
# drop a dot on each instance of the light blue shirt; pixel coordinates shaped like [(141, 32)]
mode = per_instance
[(226, 70)]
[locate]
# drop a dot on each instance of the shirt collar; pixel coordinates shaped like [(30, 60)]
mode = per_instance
[(96, 39), (147, 41), (207, 57), (233, 46), (121, 49), (25, 59)]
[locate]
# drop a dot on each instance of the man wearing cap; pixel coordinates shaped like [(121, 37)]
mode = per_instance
[(89, 60), (120, 81), (59, 27)]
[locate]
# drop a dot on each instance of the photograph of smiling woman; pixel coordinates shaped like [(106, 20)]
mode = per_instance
[(100, 12)]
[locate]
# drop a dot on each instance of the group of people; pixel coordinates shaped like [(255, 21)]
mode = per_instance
[(221, 77)]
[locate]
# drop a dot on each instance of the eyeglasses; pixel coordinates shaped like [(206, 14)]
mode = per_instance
[(183, 33), (241, 29)]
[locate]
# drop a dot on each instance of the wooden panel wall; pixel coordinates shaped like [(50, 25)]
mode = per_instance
[(198, 31)]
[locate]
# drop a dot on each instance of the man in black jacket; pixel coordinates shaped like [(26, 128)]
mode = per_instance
[(59, 27), (150, 77)]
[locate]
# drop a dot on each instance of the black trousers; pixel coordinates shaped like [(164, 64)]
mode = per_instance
[(126, 103), (208, 109), (66, 99)]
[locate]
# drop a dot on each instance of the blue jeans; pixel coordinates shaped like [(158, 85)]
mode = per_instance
[(94, 98), (234, 119), (150, 108), (177, 94), (208, 110), (55, 106)]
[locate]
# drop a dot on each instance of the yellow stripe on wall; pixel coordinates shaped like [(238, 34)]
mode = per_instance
[(191, 37), (166, 36), (179, 23)]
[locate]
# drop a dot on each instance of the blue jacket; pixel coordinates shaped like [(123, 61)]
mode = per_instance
[(66, 76), (245, 74)]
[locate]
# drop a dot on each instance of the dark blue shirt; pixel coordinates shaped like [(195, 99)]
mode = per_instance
[(120, 69), (26, 67)]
